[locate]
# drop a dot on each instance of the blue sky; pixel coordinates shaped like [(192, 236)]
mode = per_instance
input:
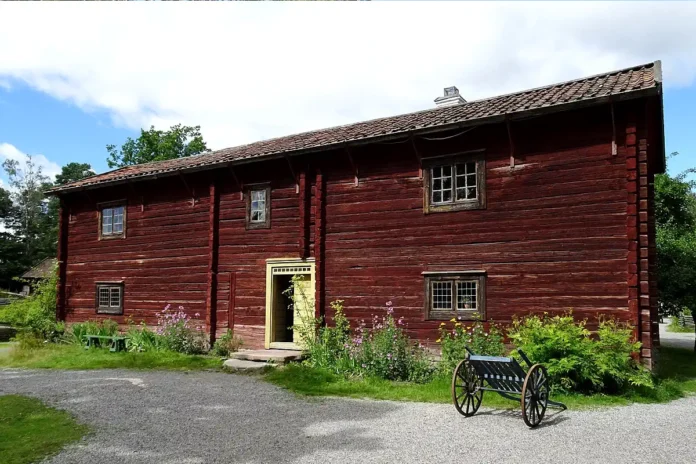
[(249, 71)]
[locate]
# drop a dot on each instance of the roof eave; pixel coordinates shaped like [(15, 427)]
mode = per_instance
[(525, 114)]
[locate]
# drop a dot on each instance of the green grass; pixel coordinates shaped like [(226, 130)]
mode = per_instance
[(76, 357), (31, 431), (676, 378)]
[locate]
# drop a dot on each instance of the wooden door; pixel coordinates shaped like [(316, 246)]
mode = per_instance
[(303, 317)]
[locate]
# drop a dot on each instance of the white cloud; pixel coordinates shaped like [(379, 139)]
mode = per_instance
[(48, 167), (250, 71)]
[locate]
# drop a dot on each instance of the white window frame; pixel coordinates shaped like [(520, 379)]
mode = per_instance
[(447, 177), (108, 216)]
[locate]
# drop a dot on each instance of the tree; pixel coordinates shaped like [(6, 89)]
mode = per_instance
[(675, 218), (156, 145), (25, 217), (73, 172)]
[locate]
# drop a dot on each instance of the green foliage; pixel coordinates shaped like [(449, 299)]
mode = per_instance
[(36, 314), (142, 338), (474, 335), (104, 328), (382, 351), (675, 217), (575, 360), (228, 343), (73, 172), (674, 326), (31, 432), (156, 145), (179, 332)]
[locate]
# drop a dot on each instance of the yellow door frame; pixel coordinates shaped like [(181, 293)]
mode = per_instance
[(284, 266)]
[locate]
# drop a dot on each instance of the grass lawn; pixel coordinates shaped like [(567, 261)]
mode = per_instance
[(76, 357), (676, 374), (30, 431)]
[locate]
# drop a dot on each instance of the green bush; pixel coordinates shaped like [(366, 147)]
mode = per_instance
[(386, 352), (36, 314), (574, 359), (180, 333), (141, 338), (105, 328), (474, 335), (226, 344), (383, 350)]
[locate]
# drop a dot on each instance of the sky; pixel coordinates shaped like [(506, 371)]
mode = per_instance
[(76, 77)]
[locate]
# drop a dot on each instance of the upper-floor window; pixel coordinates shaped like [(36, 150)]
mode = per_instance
[(459, 295), (454, 182), (258, 207), (112, 220)]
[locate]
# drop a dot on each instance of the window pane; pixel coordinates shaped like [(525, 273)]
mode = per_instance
[(441, 184), (466, 295), (442, 295), (115, 297), (466, 181), (104, 297)]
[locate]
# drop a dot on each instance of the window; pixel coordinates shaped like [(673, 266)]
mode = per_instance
[(454, 182), (459, 295), (112, 220), (258, 207), (109, 298)]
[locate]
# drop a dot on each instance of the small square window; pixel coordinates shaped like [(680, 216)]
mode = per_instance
[(455, 295), (454, 183), (109, 298), (258, 207), (112, 221)]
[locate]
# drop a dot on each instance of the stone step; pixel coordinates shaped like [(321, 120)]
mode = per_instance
[(264, 356), (242, 365)]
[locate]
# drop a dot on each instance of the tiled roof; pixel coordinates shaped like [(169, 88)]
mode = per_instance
[(625, 83)]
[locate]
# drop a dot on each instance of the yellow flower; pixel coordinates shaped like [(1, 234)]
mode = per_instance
[(438, 340), (442, 324), (453, 320), (458, 324)]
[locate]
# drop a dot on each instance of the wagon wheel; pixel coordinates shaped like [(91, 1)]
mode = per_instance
[(535, 395), (466, 389)]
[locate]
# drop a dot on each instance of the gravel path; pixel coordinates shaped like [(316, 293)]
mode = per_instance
[(165, 417)]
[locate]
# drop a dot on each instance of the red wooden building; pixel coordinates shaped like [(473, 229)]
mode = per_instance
[(535, 201)]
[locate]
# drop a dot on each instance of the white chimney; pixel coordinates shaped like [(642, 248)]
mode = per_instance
[(450, 97)]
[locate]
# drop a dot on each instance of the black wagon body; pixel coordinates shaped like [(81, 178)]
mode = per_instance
[(505, 376)]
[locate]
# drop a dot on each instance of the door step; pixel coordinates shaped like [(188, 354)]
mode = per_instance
[(258, 359)]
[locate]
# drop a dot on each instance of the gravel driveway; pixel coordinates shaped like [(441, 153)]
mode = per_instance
[(164, 417)]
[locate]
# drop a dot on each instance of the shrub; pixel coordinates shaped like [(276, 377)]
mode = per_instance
[(574, 360), (141, 338), (385, 351), (105, 328), (226, 344), (473, 335), (179, 332), (36, 314)]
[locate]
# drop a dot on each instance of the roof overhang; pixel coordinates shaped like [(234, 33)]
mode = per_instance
[(405, 134)]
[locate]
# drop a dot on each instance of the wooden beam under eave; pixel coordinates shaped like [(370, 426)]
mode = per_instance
[(511, 143), (614, 148), (354, 166), (190, 191), (418, 157), (236, 181)]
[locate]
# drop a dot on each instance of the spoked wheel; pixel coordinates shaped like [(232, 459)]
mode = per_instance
[(466, 389), (535, 395)]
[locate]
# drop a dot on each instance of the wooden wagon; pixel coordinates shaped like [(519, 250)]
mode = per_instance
[(505, 376)]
